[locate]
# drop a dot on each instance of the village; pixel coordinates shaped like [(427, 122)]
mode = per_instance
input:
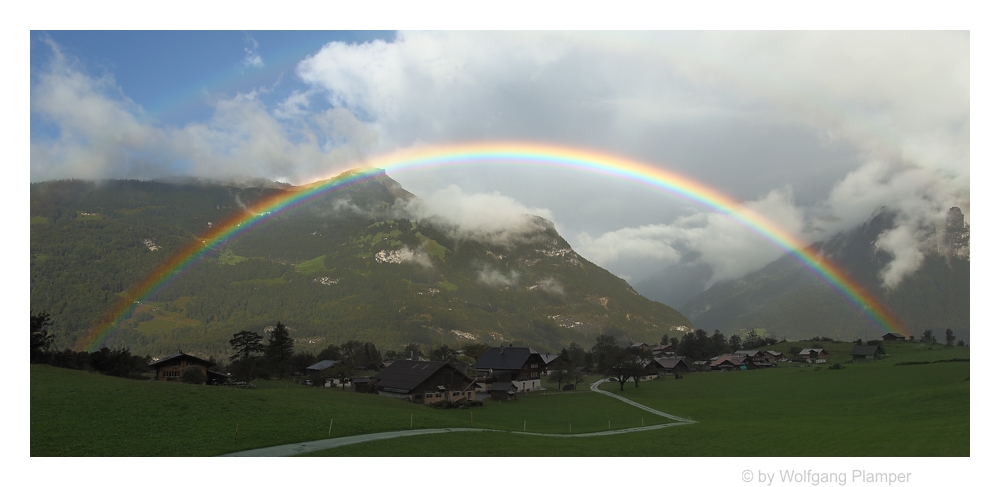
[(505, 372)]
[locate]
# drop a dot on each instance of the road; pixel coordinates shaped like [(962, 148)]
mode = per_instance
[(311, 446)]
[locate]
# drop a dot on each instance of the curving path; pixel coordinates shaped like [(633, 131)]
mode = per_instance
[(311, 446)]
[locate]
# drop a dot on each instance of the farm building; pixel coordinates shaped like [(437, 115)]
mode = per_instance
[(521, 366), (319, 370), (664, 350), (172, 368), (423, 382), (502, 391), (867, 353), (893, 337)]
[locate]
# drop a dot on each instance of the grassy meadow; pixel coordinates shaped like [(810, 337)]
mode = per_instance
[(870, 409)]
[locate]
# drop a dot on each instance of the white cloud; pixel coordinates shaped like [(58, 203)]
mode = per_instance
[(485, 217), (496, 278), (101, 133), (251, 59)]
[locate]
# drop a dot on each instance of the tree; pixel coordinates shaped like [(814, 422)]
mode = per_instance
[(734, 342), (248, 347), (41, 339), (559, 376), (949, 338), (279, 350), (605, 351), (628, 363), (665, 339), (928, 338)]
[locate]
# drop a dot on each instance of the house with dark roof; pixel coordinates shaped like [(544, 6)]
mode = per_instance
[(521, 366), (664, 350), (172, 368), (423, 382), (775, 356), (661, 366), (732, 362), (867, 353), (893, 337)]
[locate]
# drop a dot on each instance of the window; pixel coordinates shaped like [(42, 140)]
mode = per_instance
[(428, 395), (438, 394)]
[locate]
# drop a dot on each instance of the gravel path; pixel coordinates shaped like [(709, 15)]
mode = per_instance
[(311, 446)]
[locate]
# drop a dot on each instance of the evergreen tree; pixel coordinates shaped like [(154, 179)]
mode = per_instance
[(949, 338), (279, 350)]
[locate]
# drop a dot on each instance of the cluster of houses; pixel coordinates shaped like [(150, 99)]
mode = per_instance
[(502, 373)]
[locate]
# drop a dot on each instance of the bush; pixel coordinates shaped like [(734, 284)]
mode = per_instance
[(836, 366), (193, 375)]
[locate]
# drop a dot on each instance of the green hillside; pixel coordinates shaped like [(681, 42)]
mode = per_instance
[(349, 266)]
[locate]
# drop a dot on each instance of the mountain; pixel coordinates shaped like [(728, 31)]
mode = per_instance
[(355, 264), (784, 299)]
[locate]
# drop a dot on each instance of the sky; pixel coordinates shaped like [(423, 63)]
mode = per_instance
[(814, 130)]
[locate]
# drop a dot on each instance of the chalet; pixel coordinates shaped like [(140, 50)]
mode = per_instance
[(867, 353), (641, 346), (581, 370), (893, 337), (813, 355), (754, 356), (732, 362), (664, 350), (172, 368), (521, 366), (423, 382), (665, 366), (700, 365), (776, 356)]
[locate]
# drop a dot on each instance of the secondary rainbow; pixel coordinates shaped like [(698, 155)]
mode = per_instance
[(506, 154)]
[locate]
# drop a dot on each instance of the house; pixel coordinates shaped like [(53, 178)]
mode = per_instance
[(521, 366), (732, 362), (423, 382), (664, 350), (642, 346), (867, 353), (172, 368), (752, 355), (700, 365), (776, 356), (893, 337), (813, 355), (361, 384), (318, 370), (666, 366), (581, 370)]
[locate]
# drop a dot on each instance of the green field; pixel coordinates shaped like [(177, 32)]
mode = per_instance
[(312, 265), (873, 409)]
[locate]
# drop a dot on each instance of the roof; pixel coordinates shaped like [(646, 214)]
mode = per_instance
[(505, 358), (323, 365), (776, 354), (580, 369), (639, 344), (190, 358), (808, 351), (867, 350), (736, 360), (406, 375), (749, 353), (897, 335), (670, 363), (501, 386), (548, 357)]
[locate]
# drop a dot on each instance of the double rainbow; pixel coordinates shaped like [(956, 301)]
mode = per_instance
[(500, 153)]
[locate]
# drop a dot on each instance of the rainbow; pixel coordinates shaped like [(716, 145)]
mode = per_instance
[(507, 154)]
